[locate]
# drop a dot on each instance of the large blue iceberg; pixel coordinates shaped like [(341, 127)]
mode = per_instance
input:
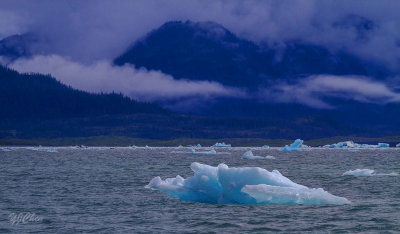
[(295, 146), (246, 185)]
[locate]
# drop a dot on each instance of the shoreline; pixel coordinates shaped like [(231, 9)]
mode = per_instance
[(122, 141)]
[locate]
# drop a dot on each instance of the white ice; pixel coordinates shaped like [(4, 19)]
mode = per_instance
[(221, 145), (351, 144), (367, 172), (245, 185), (249, 155)]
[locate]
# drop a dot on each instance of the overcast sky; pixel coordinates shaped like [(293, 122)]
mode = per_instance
[(89, 33)]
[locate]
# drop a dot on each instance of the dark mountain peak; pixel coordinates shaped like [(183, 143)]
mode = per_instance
[(208, 51), (18, 45)]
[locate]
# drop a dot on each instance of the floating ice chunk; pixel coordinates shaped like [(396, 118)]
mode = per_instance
[(198, 146), (45, 149), (295, 146), (246, 185), (5, 149), (343, 144), (211, 152), (133, 146), (383, 145), (265, 147), (367, 172), (180, 146), (249, 155), (398, 145), (221, 145), (351, 144), (359, 172)]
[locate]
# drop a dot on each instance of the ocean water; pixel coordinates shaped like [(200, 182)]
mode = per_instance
[(103, 190)]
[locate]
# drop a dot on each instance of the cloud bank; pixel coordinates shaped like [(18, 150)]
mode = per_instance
[(139, 84), (96, 29), (312, 91)]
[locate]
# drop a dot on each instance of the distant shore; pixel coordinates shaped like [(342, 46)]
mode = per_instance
[(127, 141)]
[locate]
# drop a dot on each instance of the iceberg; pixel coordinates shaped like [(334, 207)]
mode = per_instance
[(245, 185), (398, 145), (221, 145), (383, 145), (295, 146), (211, 152), (133, 146), (367, 172), (44, 149), (351, 144), (359, 172), (5, 149), (265, 146), (249, 155)]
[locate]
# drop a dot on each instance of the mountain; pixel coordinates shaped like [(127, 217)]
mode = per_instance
[(17, 46), (208, 51), (35, 96)]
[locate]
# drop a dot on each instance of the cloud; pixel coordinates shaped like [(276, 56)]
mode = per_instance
[(139, 84), (96, 29), (311, 91)]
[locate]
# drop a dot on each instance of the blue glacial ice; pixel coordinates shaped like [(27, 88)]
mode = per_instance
[(398, 145), (367, 172), (249, 155), (383, 145), (245, 185), (221, 145), (265, 146), (351, 144), (295, 146)]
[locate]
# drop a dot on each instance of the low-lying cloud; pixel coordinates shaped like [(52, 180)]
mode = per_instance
[(369, 28), (139, 84), (311, 91)]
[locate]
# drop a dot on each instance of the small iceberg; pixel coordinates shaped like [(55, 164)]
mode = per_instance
[(133, 146), (45, 149), (398, 145), (211, 152), (295, 146), (249, 155), (383, 145), (245, 185), (5, 149), (265, 146), (359, 172), (221, 145), (351, 144), (367, 172)]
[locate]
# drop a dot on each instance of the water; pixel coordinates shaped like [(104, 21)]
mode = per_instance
[(102, 190)]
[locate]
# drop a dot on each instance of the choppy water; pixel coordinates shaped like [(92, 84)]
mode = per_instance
[(102, 190)]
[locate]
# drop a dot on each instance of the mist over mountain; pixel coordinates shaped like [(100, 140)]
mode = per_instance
[(208, 51)]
